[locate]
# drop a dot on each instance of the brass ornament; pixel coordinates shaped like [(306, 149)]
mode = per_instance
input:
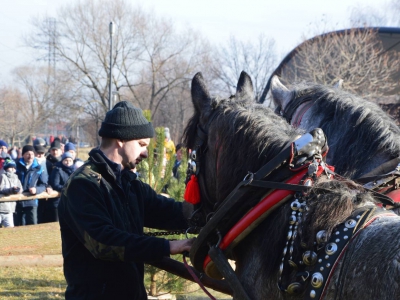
[(317, 280), (295, 288), (309, 258)]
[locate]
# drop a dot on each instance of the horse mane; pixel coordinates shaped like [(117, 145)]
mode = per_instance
[(329, 203), (346, 118)]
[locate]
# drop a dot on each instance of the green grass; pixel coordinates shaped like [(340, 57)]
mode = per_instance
[(32, 283)]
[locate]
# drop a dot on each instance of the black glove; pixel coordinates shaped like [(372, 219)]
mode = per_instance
[(16, 189)]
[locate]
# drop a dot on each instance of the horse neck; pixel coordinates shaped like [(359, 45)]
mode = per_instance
[(261, 252)]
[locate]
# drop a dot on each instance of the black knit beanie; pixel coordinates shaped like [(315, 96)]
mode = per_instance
[(126, 122), (27, 148)]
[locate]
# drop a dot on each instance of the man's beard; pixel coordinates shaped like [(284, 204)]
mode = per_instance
[(131, 165)]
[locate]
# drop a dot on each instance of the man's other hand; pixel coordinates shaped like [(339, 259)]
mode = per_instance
[(176, 247)]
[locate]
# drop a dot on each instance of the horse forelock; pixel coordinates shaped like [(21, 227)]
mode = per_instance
[(359, 132)]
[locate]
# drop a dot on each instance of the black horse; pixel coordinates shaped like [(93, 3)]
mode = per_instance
[(362, 137), (278, 258)]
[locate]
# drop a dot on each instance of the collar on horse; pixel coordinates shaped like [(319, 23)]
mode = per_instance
[(228, 227)]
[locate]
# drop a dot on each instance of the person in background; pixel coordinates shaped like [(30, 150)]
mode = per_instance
[(30, 173), (70, 147), (54, 156), (40, 155), (9, 185), (168, 144), (13, 152), (103, 210), (58, 177), (178, 160), (3, 154), (3, 146)]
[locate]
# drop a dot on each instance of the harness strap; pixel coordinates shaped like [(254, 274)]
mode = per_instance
[(335, 248), (274, 163), (228, 273), (381, 169), (279, 186)]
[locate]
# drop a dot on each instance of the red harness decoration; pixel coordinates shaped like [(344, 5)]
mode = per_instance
[(192, 191), (252, 216)]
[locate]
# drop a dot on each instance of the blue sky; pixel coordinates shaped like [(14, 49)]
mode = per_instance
[(284, 21)]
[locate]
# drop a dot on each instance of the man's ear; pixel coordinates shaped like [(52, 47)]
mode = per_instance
[(120, 143)]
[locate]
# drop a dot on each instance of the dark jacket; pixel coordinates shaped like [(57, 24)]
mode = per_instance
[(50, 162), (32, 177), (102, 213), (58, 177)]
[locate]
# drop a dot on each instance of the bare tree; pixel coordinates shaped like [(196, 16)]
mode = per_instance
[(47, 97), (150, 59), (356, 56), (386, 14), (258, 59), (13, 109)]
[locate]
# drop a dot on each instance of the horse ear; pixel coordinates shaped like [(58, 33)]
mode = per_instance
[(200, 96), (338, 84), (244, 88), (280, 94)]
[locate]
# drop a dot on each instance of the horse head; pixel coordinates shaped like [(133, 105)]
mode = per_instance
[(361, 135), (218, 128)]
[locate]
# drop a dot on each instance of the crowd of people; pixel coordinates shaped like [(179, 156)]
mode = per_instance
[(103, 208), (34, 169), (37, 168)]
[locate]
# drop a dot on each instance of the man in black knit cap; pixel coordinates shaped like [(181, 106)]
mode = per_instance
[(103, 210)]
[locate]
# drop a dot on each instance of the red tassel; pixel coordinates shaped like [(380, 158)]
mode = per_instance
[(192, 192)]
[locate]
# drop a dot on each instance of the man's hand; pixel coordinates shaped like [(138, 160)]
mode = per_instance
[(176, 247), (32, 190), (49, 190)]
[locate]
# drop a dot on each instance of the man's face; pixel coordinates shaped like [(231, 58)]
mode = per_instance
[(3, 148), (73, 153), (28, 157), (133, 152), (56, 152), (179, 155)]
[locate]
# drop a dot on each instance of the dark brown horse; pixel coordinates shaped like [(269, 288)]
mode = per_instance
[(235, 136)]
